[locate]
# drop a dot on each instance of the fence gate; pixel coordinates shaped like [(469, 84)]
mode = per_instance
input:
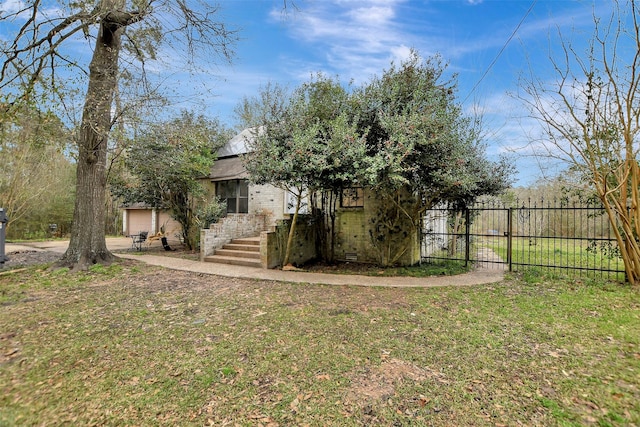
[(479, 235), (555, 235)]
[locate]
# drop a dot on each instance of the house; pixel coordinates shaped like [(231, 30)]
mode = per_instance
[(229, 181), (251, 209), (259, 212)]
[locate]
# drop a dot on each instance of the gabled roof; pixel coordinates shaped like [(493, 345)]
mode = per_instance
[(228, 168), (229, 165), (238, 144)]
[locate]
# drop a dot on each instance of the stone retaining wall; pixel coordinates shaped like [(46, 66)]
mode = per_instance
[(233, 226), (273, 244)]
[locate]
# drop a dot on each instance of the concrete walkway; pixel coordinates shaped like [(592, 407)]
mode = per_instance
[(477, 277)]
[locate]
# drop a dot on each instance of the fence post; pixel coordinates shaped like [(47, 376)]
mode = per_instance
[(510, 239), (3, 221), (467, 237)]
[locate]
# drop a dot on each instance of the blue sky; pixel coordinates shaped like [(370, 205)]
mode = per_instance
[(489, 44)]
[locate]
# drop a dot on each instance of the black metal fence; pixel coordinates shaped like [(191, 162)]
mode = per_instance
[(556, 235)]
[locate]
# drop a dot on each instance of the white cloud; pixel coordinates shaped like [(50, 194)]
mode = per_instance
[(22, 11), (11, 6), (372, 15), (400, 53), (354, 38)]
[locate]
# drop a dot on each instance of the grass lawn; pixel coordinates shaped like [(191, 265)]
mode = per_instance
[(559, 253), (138, 345)]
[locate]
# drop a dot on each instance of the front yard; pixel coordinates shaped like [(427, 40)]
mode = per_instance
[(137, 345)]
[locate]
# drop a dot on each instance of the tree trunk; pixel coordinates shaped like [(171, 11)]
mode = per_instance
[(292, 232), (453, 245), (88, 245), (333, 200)]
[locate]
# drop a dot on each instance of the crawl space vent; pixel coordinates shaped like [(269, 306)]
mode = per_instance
[(351, 256)]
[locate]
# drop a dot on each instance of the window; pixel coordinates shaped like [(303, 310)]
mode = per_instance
[(235, 193), (291, 200), (352, 198)]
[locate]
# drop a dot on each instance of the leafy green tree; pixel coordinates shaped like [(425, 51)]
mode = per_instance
[(307, 142), (41, 47), (401, 135), (166, 166), (421, 151)]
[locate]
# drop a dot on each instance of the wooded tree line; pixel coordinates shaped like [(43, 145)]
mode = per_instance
[(37, 178)]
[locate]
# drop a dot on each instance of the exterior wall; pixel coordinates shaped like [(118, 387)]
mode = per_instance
[(434, 223), (233, 226), (269, 201), (170, 225), (150, 220), (353, 242), (273, 244), (358, 228), (265, 200)]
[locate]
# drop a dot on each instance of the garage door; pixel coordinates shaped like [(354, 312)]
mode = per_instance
[(138, 220)]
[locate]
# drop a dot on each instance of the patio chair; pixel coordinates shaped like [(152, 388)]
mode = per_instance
[(138, 240)]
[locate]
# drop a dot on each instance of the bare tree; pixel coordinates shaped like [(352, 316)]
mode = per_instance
[(32, 147), (591, 120), (33, 66)]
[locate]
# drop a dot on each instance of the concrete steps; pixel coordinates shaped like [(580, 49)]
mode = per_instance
[(245, 252)]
